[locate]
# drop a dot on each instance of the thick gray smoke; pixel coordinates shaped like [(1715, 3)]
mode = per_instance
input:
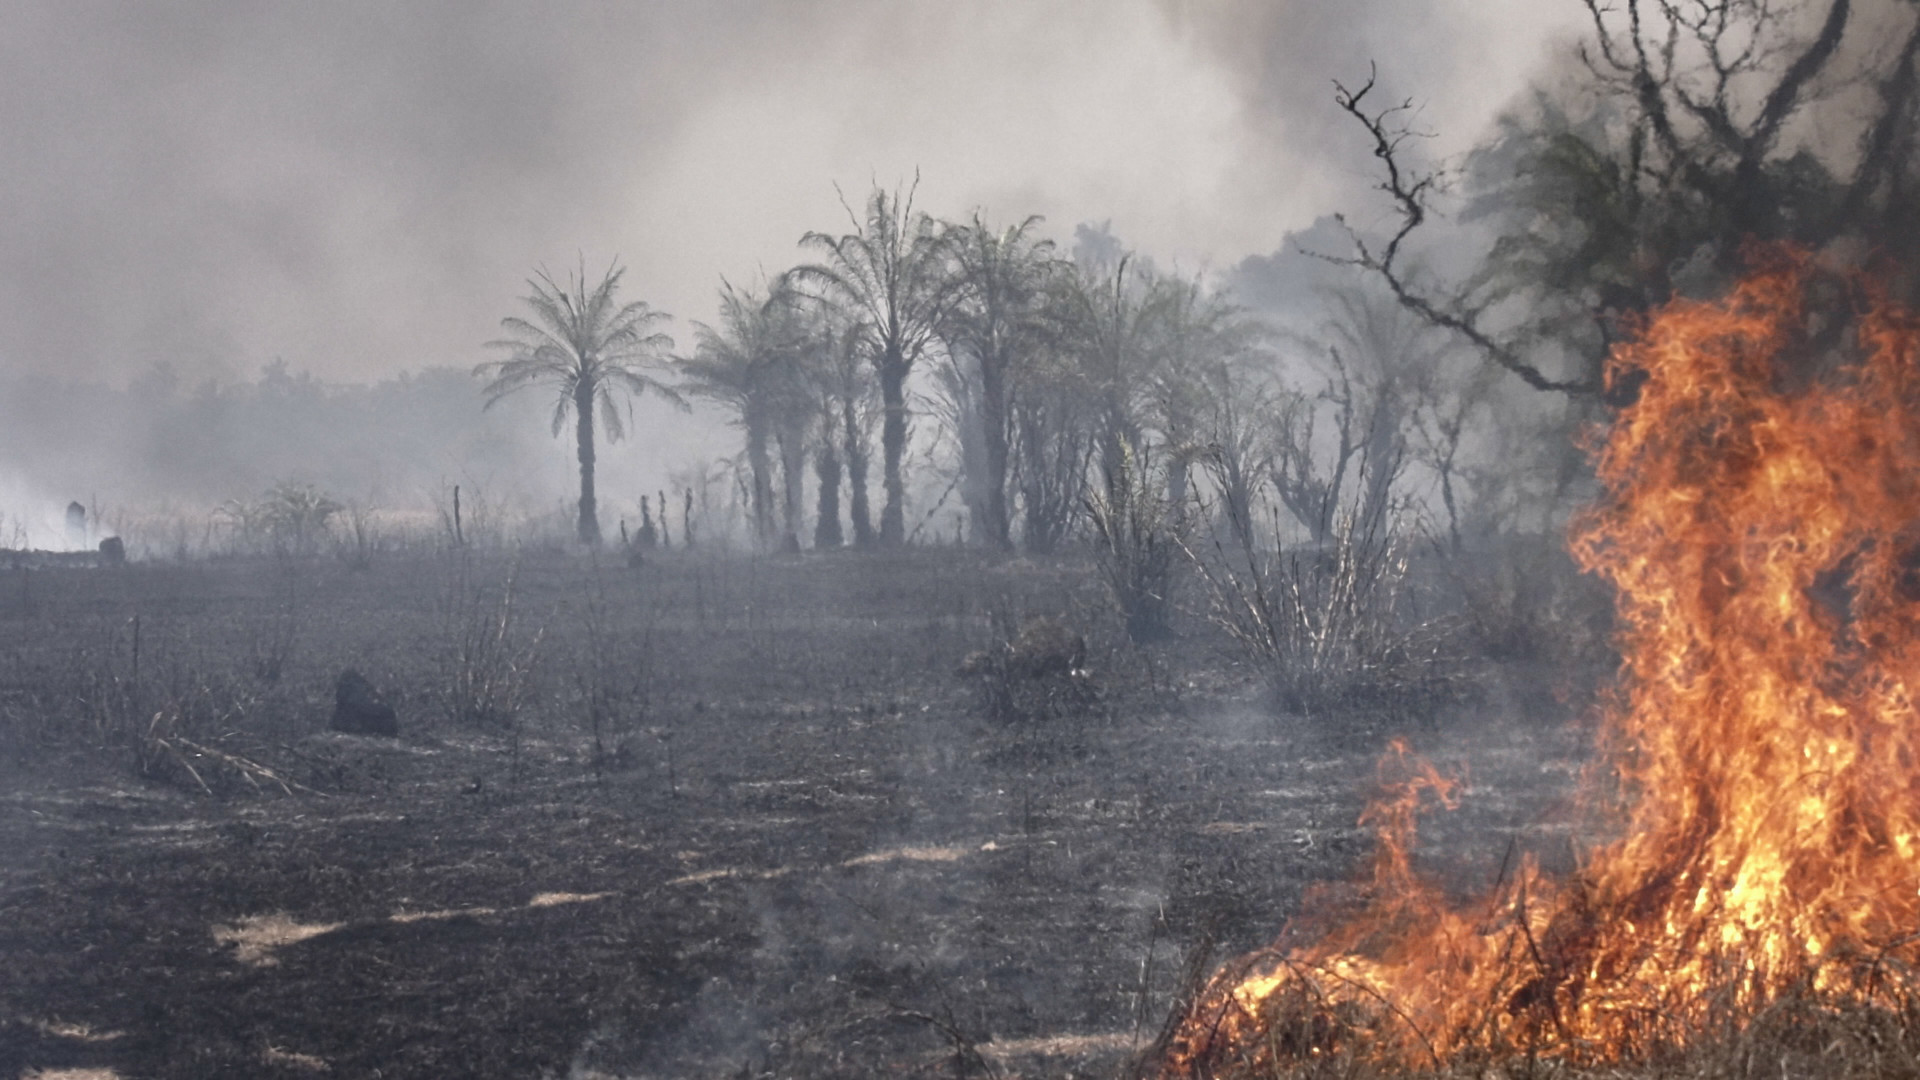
[(1458, 63), (361, 188), (354, 187)]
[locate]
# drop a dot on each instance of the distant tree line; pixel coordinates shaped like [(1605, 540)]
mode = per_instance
[(908, 371), (1024, 385), (170, 440)]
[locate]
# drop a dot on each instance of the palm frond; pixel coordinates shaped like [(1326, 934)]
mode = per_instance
[(574, 335), (610, 421)]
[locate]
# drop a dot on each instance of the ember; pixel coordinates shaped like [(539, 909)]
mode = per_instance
[(1761, 523)]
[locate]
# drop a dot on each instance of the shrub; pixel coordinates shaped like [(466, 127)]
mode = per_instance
[(1138, 537), (290, 519), (1525, 599), (1038, 671), (1328, 626), (485, 665)]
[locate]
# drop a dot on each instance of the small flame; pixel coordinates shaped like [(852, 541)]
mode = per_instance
[(1761, 524)]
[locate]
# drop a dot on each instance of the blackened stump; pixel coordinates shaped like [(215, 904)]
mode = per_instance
[(358, 708)]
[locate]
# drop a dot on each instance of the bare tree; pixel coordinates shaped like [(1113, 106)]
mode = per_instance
[(792, 430), (1197, 342), (1242, 399), (827, 472), (830, 369), (1443, 409), (956, 402), (841, 385), (1307, 487), (1341, 450), (590, 351), (1689, 154)]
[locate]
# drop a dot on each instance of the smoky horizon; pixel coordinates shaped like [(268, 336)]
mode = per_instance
[(203, 194)]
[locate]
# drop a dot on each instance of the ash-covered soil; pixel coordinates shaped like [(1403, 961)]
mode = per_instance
[(746, 821)]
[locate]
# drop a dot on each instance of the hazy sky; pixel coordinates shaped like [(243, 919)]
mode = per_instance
[(361, 187)]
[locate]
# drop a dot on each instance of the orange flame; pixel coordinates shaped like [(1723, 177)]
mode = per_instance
[(1761, 523)]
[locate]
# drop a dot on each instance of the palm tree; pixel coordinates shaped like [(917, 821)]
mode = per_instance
[(843, 392), (1106, 316), (891, 276), (996, 322), (589, 351), (748, 363), (1195, 336)]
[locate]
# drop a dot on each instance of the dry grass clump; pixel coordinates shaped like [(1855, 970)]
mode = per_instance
[(486, 661), (1036, 670), (127, 690), (1332, 627)]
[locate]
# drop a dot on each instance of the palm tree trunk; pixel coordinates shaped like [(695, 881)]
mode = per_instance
[(993, 417), (792, 441), (759, 465), (826, 466), (589, 512), (893, 448), (857, 477)]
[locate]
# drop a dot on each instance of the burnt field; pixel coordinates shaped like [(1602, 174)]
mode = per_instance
[(703, 817)]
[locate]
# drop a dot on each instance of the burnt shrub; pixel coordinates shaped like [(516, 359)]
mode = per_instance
[(1034, 672), (1334, 625), (1137, 542)]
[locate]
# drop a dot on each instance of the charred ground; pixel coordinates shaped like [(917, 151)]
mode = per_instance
[(721, 817)]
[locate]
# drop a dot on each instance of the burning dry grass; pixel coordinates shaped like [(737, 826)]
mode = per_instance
[(1848, 1046), (1760, 907), (1794, 1037)]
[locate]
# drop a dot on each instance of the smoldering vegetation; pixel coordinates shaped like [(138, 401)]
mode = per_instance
[(982, 788), (1023, 651), (183, 469), (714, 813)]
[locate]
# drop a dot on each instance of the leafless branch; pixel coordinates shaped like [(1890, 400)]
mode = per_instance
[(1787, 93), (1409, 191), (1892, 131)]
